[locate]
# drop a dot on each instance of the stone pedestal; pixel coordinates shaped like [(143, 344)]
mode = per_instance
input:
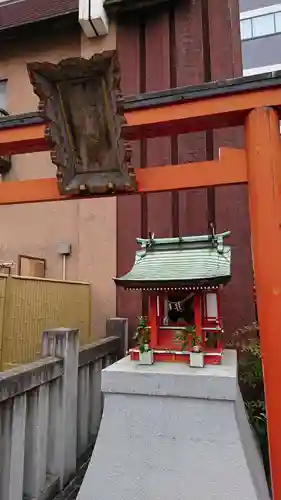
[(171, 432)]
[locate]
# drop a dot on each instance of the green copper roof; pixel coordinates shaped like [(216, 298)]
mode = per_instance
[(199, 260)]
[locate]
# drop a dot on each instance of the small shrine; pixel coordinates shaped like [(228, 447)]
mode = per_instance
[(182, 278)]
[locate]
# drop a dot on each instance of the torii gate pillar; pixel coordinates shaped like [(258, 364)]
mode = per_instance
[(264, 176)]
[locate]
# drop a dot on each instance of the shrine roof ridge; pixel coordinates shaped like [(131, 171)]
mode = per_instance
[(179, 262), (183, 239)]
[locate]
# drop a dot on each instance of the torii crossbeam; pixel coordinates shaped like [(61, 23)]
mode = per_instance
[(252, 102)]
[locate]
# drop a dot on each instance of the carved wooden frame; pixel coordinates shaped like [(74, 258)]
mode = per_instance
[(81, 102)]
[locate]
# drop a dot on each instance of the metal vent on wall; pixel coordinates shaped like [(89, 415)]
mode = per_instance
[(93, 18)]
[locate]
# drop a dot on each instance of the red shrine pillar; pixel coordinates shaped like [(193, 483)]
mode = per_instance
[(153, 321), (198, 314), (161, 306), (264, 184)]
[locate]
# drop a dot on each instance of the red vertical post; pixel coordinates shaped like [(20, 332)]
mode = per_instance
[(128, 228), (157, 77), (161, 307), (198, 315), (231, 202), (153, 321), (264, 167), (220, 338)]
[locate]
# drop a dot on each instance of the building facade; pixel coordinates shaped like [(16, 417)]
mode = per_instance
[(89, 226), (175, 44), (260, 22)]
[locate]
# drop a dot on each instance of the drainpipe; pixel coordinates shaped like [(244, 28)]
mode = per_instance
[(64, 249), (63, 266)]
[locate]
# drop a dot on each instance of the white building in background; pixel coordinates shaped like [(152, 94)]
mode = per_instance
[(260, 22)]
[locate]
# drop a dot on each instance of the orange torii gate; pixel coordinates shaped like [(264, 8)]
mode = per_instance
[(251, 102)]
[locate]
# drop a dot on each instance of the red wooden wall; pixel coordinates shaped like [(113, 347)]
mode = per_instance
[(190, 42)]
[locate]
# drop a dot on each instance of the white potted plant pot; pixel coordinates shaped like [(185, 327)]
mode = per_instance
[(146, 358), (197, 359)]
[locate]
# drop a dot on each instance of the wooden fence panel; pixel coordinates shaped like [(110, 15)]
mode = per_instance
[(32, 305)]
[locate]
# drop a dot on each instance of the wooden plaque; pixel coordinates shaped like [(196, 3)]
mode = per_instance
[(81, 102)]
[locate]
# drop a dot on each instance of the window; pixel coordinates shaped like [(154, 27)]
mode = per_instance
[(246, 29), (31, 266), (3, 94), (263, 25), (278, 22), (260, 70), (6, 267), (6, 2), (260, 22), (211, 305)]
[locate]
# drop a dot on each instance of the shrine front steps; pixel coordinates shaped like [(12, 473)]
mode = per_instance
[(171, 432)]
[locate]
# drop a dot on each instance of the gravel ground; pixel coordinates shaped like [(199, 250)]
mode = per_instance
[(72, 489)]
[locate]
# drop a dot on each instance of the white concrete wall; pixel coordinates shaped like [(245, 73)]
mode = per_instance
[(174, 433)]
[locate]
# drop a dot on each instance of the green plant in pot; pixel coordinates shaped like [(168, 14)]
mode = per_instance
[(142, 338)]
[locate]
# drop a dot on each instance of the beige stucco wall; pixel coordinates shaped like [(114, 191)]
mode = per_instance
[(89, 225)]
